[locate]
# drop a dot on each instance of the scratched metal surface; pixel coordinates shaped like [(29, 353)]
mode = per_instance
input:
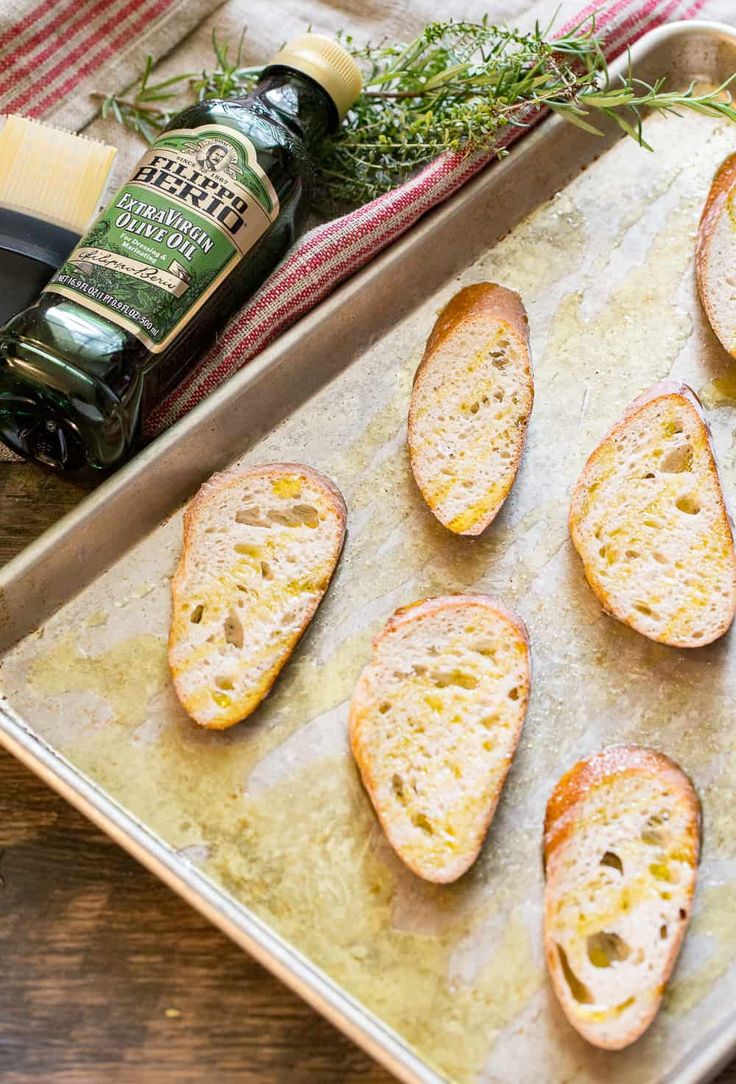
[(272, 811)]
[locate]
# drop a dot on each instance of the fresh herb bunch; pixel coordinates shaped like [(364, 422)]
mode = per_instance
[(459, 86)]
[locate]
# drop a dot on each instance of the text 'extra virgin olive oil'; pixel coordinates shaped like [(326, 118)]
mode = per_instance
[(209, 210)]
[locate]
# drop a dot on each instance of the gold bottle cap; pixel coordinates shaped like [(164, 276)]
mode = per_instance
[(327, 63)]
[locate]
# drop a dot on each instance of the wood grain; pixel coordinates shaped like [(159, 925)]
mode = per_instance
[(108, 976)]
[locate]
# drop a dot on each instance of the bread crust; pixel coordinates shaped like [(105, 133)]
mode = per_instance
[(213, 486), (661, 390), (564, 813), (574, 785), (493, 302), (480, 299), (723, 182), (408, 615)]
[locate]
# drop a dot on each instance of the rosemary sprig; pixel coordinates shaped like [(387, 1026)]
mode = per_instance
[(151, 106), (145, 112), (458, 86)]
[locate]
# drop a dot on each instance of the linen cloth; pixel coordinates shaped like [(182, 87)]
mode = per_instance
[(55, 54)]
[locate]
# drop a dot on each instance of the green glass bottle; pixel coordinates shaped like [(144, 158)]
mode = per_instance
[(209, 210)]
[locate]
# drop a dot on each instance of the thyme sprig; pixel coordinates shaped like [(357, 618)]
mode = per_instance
[(458, 86)]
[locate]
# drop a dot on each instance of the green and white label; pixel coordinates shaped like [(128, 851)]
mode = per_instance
[(196, 203)]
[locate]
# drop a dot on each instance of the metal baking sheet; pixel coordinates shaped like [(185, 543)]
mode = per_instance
[(265, 827)]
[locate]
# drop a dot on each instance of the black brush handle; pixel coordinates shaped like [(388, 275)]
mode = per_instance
[(30, 251)]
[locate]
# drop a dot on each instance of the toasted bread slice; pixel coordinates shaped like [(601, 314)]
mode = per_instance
[(434, 722), (621, 847), (715, 255), (649, 521), (470, 405), (260, 547)]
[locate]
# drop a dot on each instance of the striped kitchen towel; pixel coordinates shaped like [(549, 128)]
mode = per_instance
[(53, 53)]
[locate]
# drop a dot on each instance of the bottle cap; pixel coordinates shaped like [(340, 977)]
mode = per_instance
[(327, 63)]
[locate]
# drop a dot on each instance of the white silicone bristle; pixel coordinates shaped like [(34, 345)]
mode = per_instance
[(52, 174)]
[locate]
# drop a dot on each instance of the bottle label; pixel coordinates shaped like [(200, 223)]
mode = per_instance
[(196, 203)]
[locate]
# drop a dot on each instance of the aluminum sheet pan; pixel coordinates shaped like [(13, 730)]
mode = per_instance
[(265, 828)]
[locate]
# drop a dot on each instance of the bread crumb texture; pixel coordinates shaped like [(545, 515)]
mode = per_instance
[(470, 406), (260, 547), (621, 849), (649, 521), (434, 723)]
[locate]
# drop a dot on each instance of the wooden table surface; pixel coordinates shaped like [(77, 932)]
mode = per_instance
[(105, 974)]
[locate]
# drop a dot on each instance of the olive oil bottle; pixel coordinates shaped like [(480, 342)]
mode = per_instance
[(209, 210)]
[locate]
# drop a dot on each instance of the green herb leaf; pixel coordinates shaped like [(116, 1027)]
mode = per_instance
[(458, 86)]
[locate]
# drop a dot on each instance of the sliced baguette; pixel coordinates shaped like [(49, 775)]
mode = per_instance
[(470, 405), (621, 847), (260, 547), (649, 521), (434, 723), (715, 255)]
